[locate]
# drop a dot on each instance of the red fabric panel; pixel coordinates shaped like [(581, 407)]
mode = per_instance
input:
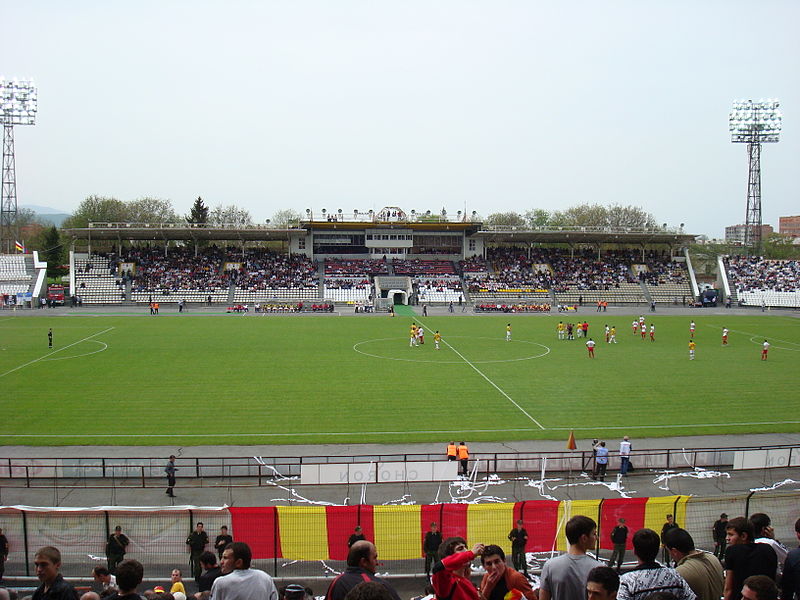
[(366, 521), (342, 521), (540, 520), (258, 527), (630, 509), (454, 521)]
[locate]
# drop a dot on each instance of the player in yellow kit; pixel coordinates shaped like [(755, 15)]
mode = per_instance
[(692, 346), (437, 337), (508, 332)]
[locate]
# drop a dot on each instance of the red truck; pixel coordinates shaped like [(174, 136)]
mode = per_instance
[(55, 295)]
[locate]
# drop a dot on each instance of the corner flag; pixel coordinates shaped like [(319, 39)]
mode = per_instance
[(571, 445)]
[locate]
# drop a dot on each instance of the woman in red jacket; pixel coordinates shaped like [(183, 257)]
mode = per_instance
[(501, 579), (450, 576)]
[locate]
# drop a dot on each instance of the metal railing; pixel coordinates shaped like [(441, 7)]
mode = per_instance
[(260, 471)]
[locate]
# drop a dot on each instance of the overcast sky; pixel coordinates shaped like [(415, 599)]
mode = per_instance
[(494, 106)]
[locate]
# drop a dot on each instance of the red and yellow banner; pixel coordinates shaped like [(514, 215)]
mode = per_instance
[(322, 532)]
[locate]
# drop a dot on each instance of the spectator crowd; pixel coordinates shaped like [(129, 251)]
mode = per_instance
[(748, 563)]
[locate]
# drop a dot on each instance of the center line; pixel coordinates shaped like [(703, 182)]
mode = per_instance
[(35, 360), (492, 383)]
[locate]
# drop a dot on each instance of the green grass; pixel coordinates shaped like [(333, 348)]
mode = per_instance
[(230, 379)]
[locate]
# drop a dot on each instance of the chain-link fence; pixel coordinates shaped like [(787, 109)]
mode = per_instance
[(311, 541)]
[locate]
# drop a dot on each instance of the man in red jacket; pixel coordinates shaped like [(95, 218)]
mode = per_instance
[(499, 578), (450, 576)]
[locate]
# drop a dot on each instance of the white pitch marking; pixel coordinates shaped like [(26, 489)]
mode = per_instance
[(492, 383), (47, 356), (363, 433), (453, 362), (760, 336), (673, 426), (103, 344)]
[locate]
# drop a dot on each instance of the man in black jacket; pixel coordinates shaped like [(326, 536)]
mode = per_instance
[(48, 562), (433, 539), (210, 572), (619, 537), (519, 539), (116, 547), (362, 561), (197, 542)]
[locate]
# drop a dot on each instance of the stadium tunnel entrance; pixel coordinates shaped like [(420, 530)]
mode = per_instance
[(398, 296)]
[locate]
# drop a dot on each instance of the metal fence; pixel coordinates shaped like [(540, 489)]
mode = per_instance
[(258, 471)]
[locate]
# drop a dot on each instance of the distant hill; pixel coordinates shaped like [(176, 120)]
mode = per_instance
[(46, 214)]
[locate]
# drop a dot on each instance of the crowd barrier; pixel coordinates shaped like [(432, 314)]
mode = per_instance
[(258, 471), (310, 541)]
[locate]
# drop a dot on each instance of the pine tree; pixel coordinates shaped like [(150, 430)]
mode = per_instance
[(199, 213)]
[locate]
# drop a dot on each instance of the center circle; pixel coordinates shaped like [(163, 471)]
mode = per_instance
[(363, 348)]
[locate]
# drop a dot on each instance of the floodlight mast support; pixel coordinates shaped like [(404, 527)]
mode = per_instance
[(752, 223), (754, 123), (18, 106), (9, 230)]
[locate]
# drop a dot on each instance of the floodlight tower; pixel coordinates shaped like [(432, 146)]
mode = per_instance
[(17, 107), (754, 123)]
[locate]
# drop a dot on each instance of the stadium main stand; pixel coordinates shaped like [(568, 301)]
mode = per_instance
[(509, 276)]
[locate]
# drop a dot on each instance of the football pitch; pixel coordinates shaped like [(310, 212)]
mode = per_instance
[(220, 379)]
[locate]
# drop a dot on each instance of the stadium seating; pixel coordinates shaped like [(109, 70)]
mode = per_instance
[(13, 268), (666, 282), (14, 276), (423, 267), (96, 281), (761, 282), (441, 289), (347, 289)]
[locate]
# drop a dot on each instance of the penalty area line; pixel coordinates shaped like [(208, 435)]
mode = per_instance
[(49, 354)]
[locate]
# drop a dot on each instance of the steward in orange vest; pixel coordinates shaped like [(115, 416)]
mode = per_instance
[(451, 451), (463, 456)]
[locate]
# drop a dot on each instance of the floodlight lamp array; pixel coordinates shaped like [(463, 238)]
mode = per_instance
[(18, 102), (755, 122)]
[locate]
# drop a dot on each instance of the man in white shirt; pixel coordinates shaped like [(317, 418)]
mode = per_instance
[(239, 581), (624, 455)]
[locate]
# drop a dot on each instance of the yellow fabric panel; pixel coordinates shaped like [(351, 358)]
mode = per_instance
[(570, 508), (657, 509), (304, 532), (490, 524), (398, 533)]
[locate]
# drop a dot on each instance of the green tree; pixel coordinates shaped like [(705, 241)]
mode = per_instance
[(52, 250), (151, 210), (506, 219), (27, 217), (630, 216), (285, 218), (229, 215), (538, 217), (97, 209), (778, 246), (198, 214), (596, 215)]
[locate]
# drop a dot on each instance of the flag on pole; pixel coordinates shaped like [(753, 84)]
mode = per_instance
[(20, 246), (571, 445)]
